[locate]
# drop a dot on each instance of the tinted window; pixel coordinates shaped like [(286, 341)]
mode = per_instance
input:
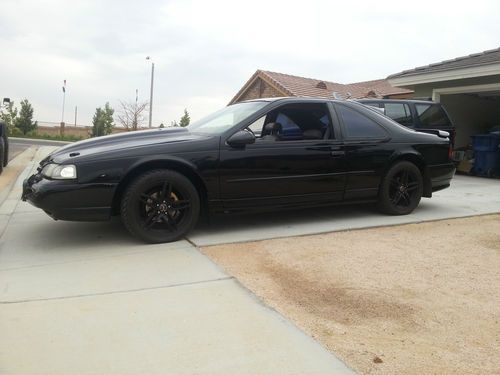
[(289, 127), (432, 115), (301, 121), (399, 112), (357, 125)]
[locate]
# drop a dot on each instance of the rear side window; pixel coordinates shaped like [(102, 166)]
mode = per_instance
[(357, 125), (432, 115), (399, 112)]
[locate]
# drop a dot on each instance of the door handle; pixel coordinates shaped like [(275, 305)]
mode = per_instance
[(337, 154)]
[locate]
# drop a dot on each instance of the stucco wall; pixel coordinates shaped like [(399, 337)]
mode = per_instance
[(471, 115)]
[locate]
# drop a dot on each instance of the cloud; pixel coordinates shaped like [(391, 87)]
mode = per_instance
[(205, 51)]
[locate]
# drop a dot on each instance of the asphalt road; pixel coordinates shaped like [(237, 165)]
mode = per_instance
[(18, 145)]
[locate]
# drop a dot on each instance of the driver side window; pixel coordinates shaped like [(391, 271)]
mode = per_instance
[(256, 126), (293, 122)]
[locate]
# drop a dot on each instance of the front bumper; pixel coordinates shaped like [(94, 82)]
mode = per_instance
[(69, 200)]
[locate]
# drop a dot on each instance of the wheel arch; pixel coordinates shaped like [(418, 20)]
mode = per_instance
[(176, 165), (418, 160)]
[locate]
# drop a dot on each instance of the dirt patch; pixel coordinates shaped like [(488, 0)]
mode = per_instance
[(342, 304), (418, 299)]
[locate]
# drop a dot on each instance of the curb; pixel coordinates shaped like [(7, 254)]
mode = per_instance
[(40, 140), (11, 188), (15, 168)]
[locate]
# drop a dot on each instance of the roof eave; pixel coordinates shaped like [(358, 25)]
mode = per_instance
[(443, 75)]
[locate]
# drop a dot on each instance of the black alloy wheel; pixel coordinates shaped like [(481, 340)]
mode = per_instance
[(401, 189), (160, 206)]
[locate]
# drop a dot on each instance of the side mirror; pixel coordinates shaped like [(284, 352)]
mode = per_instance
[(241, 138)]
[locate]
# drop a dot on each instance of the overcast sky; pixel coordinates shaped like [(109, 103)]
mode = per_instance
[(204, 51)]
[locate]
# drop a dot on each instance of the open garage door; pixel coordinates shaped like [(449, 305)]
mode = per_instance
[(473, 109)]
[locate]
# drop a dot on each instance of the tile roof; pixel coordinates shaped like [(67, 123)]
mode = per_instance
[(380, 86), (476, 59), (291, 85)]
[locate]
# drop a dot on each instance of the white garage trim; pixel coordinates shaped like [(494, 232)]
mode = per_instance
[(436, 93), (445, 75)]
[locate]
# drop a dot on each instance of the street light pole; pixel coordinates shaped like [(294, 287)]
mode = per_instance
[(151, 91), (64, 100)]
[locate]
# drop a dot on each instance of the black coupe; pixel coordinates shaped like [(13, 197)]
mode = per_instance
[(254, 155)]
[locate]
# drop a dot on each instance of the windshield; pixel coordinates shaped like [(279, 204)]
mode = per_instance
[(226, 118)]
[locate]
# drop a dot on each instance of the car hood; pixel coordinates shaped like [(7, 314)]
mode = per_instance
[(128, 140)]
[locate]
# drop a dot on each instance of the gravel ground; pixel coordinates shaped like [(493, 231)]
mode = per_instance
[(413, 299)]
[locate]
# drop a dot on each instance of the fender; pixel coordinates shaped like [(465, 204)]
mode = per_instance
[(412, 155)]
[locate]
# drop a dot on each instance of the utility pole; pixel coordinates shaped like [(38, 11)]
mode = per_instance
[(64, 99), (76, 111), (151, 91)]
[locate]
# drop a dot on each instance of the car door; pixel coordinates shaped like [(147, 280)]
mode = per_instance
[(289, 170), (367, 150)]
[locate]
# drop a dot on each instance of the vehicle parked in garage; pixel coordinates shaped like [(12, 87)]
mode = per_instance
[(4, 146), (420, 115), (239, 159)]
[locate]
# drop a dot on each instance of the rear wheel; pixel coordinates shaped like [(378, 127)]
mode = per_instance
[(401, 189), (160, 206)]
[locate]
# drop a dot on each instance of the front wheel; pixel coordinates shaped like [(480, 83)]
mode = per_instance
[(160, 206), (401, 189)]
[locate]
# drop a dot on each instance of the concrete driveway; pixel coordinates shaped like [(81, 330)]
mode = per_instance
[(85, 298), (468, 196)]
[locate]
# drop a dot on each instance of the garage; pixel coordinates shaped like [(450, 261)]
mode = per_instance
[(468, 87)]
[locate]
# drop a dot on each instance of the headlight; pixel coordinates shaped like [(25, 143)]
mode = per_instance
[(59, 172)]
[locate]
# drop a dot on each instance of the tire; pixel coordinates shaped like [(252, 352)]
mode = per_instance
[(160, 206), (401, 189)]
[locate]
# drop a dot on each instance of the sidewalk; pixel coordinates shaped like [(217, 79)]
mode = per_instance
[(85, 298)]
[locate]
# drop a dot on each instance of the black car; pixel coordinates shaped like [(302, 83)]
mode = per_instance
[(263, 154), (421, 115), (4, 146)]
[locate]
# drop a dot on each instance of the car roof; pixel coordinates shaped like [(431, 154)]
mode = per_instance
[(302, 99), (292, 99), (395, 100)]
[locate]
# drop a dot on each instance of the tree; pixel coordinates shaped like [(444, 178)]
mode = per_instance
[(9, 116), (185, 119), (102, 121), (132, 114), (25, 120), (174, 123)]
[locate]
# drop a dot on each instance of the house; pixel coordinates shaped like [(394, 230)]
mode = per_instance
[(468, 87), (265, 84)]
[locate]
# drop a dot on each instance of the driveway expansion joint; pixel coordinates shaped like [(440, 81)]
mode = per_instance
[(117, 291)]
